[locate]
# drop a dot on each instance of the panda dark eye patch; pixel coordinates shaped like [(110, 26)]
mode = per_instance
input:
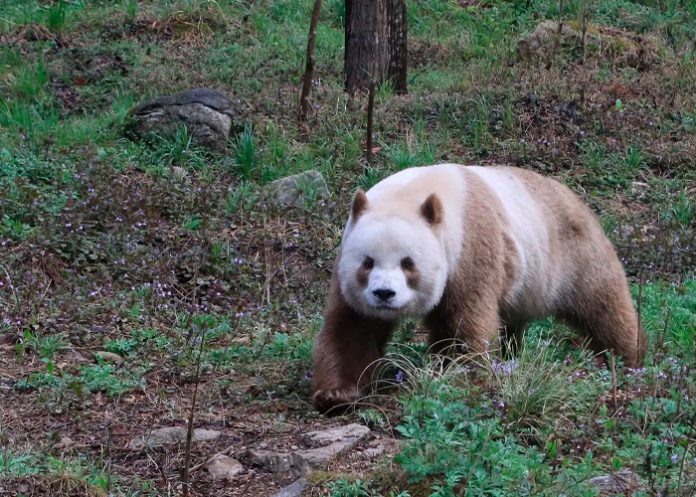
[(407, 264), (368, 263)]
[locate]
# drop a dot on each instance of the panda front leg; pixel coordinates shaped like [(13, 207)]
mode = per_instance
[(346, 353), (471, 324)]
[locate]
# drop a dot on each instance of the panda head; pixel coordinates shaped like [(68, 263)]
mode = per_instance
[(392, 261)]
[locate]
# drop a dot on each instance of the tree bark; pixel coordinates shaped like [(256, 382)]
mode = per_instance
[(398, 46), (376, 48)]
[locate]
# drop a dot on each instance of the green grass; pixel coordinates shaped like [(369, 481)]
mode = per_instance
[(510, 427)]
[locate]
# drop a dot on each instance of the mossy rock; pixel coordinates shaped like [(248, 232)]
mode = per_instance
[(621, 48)]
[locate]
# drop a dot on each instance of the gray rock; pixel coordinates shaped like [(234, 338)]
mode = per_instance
[(295, 489), (104, 356), (178, 172), (207, 114), (373, 452), (278, 462), (331, 443), (224, 468), (620, 482), (621, 47), (292, 191), (171, 435), (347, 434), (546, 36)]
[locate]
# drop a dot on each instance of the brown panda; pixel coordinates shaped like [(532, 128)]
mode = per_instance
[(470, 250)]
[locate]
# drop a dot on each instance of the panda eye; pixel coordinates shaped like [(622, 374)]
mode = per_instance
[(368, 263), (407, 264)]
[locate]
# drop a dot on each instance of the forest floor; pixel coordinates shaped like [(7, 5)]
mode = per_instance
[(135, 277)]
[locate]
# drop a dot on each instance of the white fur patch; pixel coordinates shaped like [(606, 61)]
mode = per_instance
[(387, 241), (528, 228)]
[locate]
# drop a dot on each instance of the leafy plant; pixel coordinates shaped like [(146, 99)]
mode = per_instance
[(349, 488)]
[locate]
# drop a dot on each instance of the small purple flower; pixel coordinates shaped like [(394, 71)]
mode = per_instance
[(674, 458), (506, 368), (400, 376)]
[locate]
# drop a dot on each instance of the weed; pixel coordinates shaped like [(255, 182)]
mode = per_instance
[(683, 211), (192, 223), (349, 488), (634, 158), (178, 150), (534, 384), (131, 10), (373, 418), (55, 19), (402, 156), (241, 198), (369, 178), (245, 154), (105, 378), (31, 81), (14, 228)]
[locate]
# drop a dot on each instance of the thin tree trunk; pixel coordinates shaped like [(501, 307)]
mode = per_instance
[(366, 48), (309, 70)]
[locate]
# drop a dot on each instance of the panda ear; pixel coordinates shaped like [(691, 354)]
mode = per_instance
[(432, 210), (359, 204)]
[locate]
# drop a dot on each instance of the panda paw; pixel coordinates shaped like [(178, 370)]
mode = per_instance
[(334, 400)]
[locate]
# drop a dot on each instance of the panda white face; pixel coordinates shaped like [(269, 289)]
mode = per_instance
[(392, 267)]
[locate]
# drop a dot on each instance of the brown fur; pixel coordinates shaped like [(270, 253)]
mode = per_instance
[(473, 308), (345, 351)]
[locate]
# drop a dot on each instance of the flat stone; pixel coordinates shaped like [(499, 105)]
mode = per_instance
[(373, 452), (224, 468), (332, 441), (103, 355), (278, 462), (292, 191), (295, 489), (206, 113), (171, 435), (620, 482), (623, 48), (325, 445), (347, 434)]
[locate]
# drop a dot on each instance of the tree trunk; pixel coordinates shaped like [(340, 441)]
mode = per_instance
[(309, 69), (375, 44), (398, 47)]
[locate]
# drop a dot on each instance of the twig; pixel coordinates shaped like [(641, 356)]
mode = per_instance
[(557, 42), (584, 14), (12, 287), (612, 361), (659, 346), (639, 335), (189, 429), (680, 389), (370, 112)]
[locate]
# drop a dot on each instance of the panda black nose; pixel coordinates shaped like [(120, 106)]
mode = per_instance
[(383, 293)]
